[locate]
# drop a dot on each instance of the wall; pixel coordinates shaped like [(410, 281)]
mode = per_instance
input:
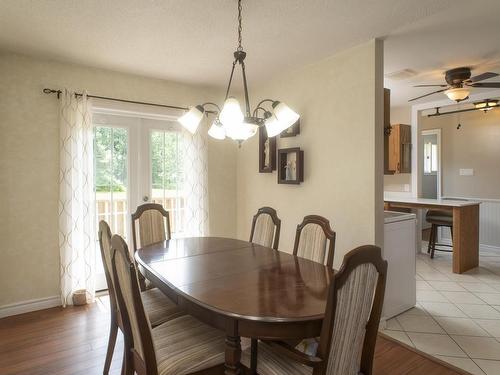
[(340, 100), (399, 182), (476, 145), (29, 159)]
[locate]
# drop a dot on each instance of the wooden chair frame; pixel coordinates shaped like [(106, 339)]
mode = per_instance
[(361, 255), (116, 321), (276, 221), (327, 230), (132, 359), (146, 207)]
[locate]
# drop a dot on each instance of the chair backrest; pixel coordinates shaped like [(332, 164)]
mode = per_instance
[(154, 225), (311, 240), (107, 255), (266, 228), (137, 328), (352, 316)]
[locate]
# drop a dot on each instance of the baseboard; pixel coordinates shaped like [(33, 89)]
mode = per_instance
[(30, 305), (482, 247)]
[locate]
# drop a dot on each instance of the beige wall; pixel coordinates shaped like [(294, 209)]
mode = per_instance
[(340, 102), (476, 145), (29, 266), (399, 182)]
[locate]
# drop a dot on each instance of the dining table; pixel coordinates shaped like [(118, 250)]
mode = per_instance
[(244, 289)]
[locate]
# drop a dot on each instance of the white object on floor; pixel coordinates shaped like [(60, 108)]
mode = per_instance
[(399, 251)]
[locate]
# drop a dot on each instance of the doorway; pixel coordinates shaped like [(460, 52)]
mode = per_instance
[(136, 160)]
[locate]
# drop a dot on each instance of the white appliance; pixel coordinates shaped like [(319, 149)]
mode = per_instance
[(400, 253)]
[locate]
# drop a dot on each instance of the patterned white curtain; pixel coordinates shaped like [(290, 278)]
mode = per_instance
[(76, 197), (195, 171)]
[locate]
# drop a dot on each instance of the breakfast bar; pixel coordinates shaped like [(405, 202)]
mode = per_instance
[(465, 226)]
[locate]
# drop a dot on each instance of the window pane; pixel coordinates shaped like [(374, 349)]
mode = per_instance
[(111, 180), (166, 176), (427, 157), (434, 158)]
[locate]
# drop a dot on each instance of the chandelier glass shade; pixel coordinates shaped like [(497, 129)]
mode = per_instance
[(234, 122)]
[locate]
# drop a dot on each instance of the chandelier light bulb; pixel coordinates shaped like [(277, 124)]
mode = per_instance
[(231, 114), (192, 118), (242, 131), (273, 126), (217, 131), (285, 115)]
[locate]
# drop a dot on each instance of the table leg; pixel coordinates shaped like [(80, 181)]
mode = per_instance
[(233, 349), (465, 238)]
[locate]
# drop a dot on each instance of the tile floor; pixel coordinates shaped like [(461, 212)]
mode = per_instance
[(457, 317)]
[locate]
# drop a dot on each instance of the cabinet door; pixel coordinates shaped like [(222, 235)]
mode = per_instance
[(405, 139), (394, 149)]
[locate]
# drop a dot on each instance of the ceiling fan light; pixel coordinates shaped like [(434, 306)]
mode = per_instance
[(492, 103), (217, 131), (192, 118), (480, 105), (286, 116), (231, 114), (457, 93)]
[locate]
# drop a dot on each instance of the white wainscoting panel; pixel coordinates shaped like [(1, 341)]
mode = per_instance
[(489, 224)]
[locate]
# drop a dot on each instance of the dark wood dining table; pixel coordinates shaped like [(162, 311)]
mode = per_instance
[(244, 289)]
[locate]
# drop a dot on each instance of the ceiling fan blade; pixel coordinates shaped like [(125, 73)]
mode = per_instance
[(483, 76), (487, 85), (430, 86), (423, 96)]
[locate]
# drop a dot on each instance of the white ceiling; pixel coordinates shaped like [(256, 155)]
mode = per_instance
[(193, 40)]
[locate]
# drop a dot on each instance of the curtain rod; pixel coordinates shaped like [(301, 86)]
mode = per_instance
[(58, 92)]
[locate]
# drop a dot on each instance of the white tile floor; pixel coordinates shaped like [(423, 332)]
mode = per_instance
[(457, 317)]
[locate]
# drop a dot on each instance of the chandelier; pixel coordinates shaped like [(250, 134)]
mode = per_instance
[(231, 121)]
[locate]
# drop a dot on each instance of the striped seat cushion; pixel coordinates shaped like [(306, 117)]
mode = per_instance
[(185, 345), (312, 243), (159, 307), (270, 363), (264, 230)]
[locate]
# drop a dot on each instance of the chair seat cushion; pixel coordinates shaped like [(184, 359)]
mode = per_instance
[(270, 363), (159, 307), (185, 345), (438, 216)]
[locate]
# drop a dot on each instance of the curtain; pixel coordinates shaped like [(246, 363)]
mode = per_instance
[(76, 198), (195, 172)]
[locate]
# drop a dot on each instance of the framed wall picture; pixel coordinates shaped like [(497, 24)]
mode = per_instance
[(292, 131), (267, 152), (290, 166)]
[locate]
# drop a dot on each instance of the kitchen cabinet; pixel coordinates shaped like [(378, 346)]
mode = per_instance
[(397, 149)]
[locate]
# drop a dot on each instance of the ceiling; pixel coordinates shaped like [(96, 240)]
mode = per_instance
[(192, 41)]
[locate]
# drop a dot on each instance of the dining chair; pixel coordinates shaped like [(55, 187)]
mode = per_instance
[(266, 227), (311, 240), (153, 227), (182, 345), (159, 308), (350, 326)]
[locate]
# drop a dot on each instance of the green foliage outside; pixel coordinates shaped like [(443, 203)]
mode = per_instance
[(110, 157)]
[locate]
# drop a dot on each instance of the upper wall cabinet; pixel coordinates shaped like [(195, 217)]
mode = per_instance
[(397, 142), (398, 149)]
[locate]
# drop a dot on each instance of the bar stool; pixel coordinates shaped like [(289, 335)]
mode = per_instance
[(438, 219)]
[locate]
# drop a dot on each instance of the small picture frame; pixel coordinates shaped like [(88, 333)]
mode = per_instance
[(267, 152), (292, 131), (290, 166)]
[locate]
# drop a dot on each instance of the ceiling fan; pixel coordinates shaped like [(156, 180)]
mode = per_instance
[(458, 85)]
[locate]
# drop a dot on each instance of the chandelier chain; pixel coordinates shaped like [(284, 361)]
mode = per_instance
[(240, 48)]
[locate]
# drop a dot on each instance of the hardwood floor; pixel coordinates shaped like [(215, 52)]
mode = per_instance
[(73, 341)]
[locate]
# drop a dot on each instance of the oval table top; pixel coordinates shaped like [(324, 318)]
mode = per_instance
[(239, 279)]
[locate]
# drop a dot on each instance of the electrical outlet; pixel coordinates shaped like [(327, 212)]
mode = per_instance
[(466, 172)]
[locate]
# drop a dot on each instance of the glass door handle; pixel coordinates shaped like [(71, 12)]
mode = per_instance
[(145, 198)]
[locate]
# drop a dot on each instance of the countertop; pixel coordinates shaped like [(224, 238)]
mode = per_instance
[(433, 202)]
